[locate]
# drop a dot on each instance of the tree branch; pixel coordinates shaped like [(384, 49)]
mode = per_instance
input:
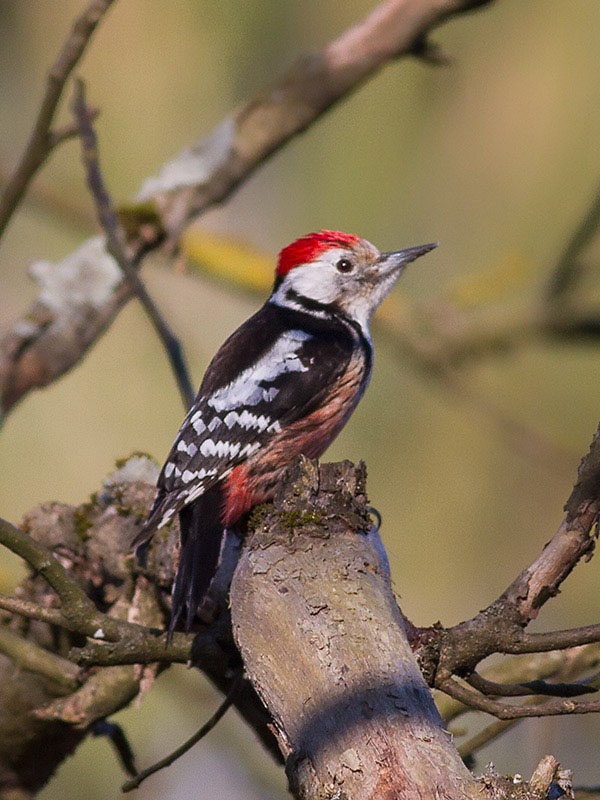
[(554, 640), (506, 711), (263, 125), (567, 271), (141, 776), (86, 287), (33, 658), (536, 687), (43, 140), (333, 509), (117, 246)]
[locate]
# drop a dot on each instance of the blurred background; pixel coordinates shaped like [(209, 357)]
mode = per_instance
[(495, 156)]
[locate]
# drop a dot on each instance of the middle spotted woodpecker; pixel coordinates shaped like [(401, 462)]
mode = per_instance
[(284, 384)]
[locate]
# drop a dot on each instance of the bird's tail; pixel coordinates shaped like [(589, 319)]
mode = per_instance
[(202, 534)]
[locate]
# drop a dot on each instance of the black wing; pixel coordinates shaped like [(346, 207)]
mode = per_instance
[(273, 370)]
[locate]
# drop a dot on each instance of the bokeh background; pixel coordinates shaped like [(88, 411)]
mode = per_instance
[(495, 156)]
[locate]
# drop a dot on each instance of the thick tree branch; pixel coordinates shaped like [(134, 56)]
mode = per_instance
[(43, 139), (309, 518), (323, 643)]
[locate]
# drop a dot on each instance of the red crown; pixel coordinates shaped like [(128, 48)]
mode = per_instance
[(306, 249)]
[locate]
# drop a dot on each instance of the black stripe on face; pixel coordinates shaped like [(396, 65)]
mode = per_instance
[(310, 304), (335, 314)]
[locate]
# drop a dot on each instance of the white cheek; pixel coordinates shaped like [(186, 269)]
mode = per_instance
[(318, 281)]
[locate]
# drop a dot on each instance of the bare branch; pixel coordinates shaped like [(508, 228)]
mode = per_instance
[(117, 246), (536, 687), (29, 610), (316, 82), (507, 711), (117, 737), (42, 139), (78, 613), (74, 600), (485, 736), (567, 271), (499, 627), (187, 745), (52, 339), (555, 640), (33, 658), (71, 130)]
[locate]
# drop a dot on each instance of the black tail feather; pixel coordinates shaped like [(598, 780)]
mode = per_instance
[(201, 539)]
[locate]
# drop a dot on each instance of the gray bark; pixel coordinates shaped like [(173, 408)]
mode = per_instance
[(324, 644)]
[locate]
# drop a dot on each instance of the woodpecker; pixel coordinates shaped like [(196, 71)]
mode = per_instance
[(284, 384)]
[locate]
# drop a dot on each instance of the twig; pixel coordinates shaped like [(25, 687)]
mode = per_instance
[(117, 737), (31, 657), (485, 736), (554, 640), (70, 130), (42, 139), (507, 711), (187, 745), (567, 271), (134, 643), (74, 600), (536, 687), (117, 246), (29, 610)]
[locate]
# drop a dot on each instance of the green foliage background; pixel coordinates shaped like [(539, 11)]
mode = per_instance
[(496, 157)]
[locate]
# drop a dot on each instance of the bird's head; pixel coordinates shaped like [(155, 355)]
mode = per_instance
[(330, 271)]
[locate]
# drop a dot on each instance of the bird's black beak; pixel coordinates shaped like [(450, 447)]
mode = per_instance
[(389, 262)]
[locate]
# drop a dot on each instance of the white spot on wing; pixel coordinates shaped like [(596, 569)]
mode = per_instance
[(231, 419), (248, 388), (198, 423)]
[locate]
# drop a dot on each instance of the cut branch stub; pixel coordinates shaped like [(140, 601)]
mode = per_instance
[(323, 642)]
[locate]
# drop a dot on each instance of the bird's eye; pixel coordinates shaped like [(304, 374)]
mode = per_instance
[(344, 265)]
